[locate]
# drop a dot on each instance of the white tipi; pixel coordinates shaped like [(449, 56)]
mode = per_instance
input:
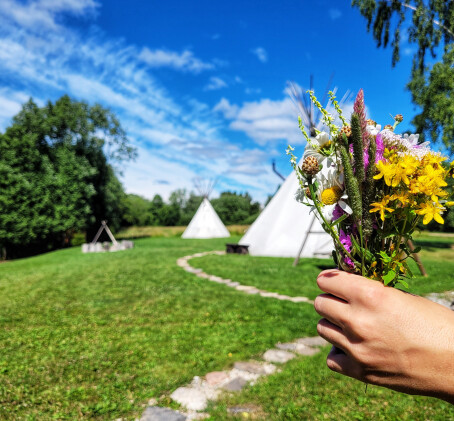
[(286, 228), (206, 222)]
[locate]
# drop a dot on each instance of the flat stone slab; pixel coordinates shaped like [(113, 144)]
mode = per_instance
[(192, 270), (251, 367), (216, 377), (283, 297), (235, 384), (312, 341), (190, 398), (269, 294), (232, 284), (298, 348), (445, 299), (300, 300), (255, 367), (215, 278), (278, 356), (203, 275), (247, 289), (156, 413)]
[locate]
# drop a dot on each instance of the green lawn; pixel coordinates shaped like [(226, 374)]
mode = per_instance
[(278, 274), (97, 335)]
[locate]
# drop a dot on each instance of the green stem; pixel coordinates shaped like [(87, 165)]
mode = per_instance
[(333, 233)]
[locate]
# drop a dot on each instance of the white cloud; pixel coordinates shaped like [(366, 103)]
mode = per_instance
[(264, 121), (177, 138), (261, 54), (334, 13), (184, 61), (43, 14), (215, 83), (230, 111)]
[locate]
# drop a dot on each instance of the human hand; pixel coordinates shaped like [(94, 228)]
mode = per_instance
[(386, 337)]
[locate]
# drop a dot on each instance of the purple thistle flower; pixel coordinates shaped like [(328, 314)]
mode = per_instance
[(345, 240)]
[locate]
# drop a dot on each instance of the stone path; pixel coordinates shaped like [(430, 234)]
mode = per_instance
[(183, 262), (194, 397), (444, 298)]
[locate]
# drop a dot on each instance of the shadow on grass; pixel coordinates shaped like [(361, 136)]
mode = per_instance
[(431, 245)]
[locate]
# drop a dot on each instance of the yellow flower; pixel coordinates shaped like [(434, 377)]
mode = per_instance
[(331, 195), (397, 169), (401, 197), (381, 207), (431, 211), (387, 171)]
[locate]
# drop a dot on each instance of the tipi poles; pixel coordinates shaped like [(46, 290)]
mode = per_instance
[(109, 233), (297, 258)]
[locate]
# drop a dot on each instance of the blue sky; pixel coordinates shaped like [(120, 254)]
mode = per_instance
[(198, 85)]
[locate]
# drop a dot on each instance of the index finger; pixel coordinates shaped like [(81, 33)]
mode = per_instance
[(339, 283)]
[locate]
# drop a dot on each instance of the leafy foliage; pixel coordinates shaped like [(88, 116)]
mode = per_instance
[(432, 30), (55, 177), (232, 208)]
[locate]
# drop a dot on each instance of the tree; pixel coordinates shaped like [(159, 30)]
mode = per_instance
[(432, 29), (234, 208), (55, 176), (137, 211)]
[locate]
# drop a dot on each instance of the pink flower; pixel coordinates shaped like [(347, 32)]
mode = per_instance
[(380, 148)]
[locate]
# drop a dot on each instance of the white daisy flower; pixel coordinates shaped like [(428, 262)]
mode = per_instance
[(331, 192), (318, 146)]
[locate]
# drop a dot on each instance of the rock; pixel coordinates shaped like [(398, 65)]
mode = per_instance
[(203, 275), (247, 289), (300, 300), (190, 398), (152, 402), (445, 299), (216, 377), (283, 297), (193, 415), (255, 367), (156, 413), (232, 284), (269, 294), (235, 384), (215, 278), (298, 348), (278, 356), (245, 375), (312, 341), (192, 270)]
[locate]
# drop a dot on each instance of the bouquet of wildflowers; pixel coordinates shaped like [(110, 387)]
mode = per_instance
[(370, 188)]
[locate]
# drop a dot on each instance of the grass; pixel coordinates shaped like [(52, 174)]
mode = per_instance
[(278, 274), (307, 390), (152, 231), (95, 336)]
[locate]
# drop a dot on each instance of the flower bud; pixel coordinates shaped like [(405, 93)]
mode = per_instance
[(310, 166)]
